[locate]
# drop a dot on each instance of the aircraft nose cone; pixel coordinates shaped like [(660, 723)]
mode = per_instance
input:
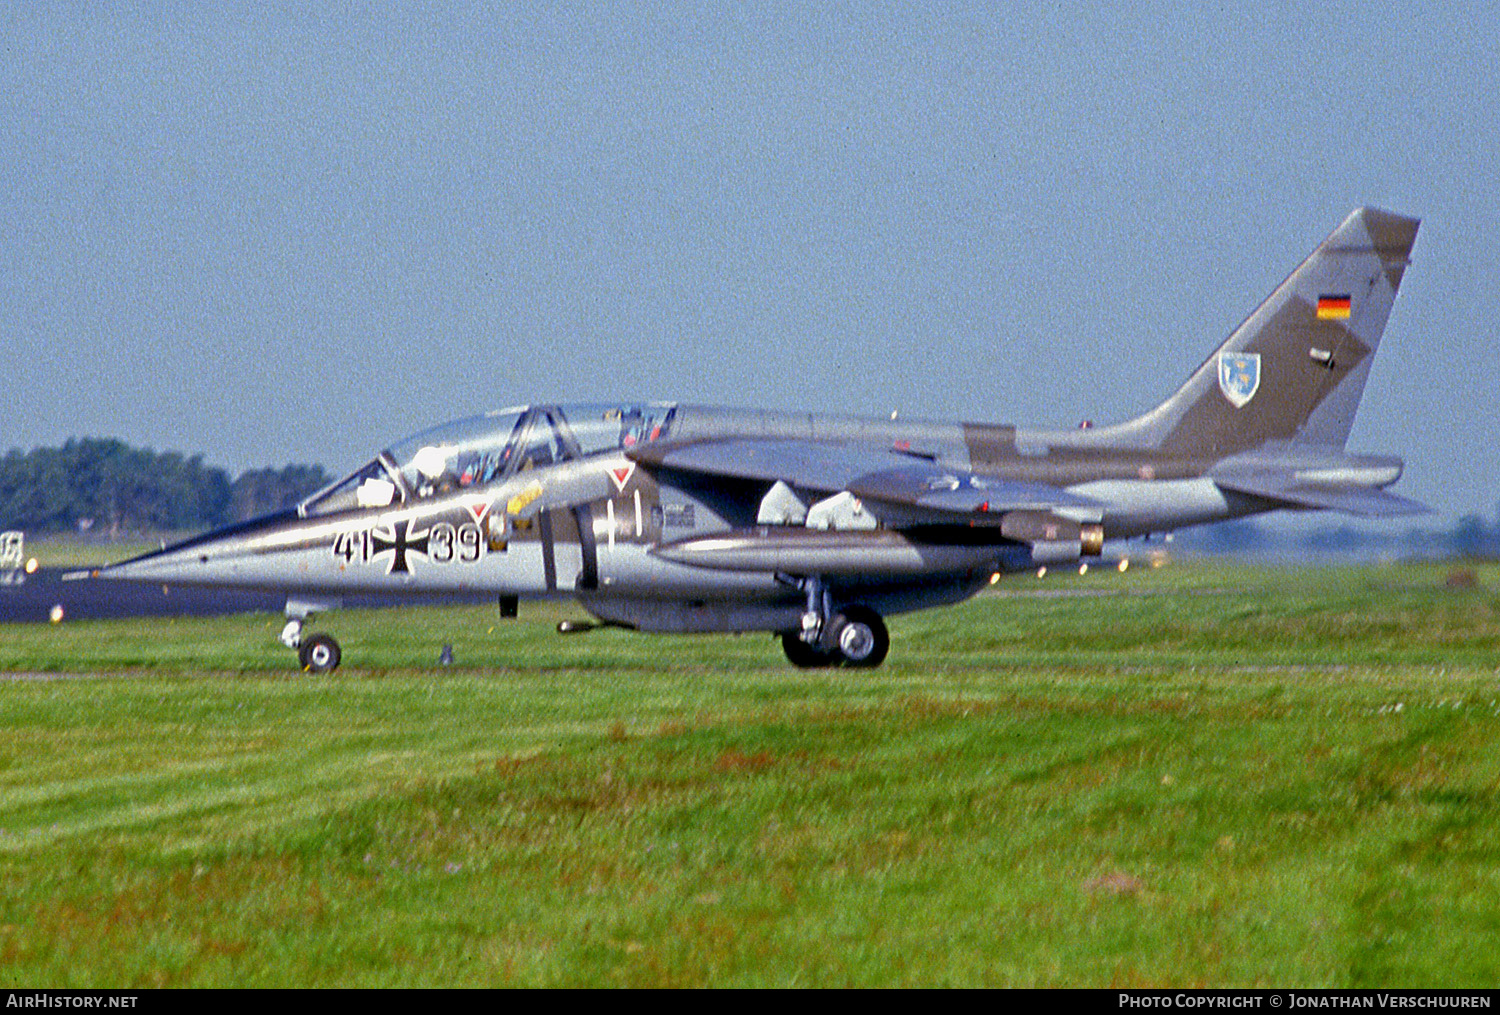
[(210, 558), (159, 565)]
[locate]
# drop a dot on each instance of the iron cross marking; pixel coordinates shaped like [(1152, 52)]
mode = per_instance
[(398, 544)]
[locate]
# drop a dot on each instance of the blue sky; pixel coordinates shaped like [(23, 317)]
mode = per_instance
[(297, 233)]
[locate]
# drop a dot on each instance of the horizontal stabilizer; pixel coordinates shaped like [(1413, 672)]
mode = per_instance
[(1369, 502), (887, 477)]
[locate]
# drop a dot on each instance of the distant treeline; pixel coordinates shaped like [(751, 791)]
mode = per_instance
[(103, 485), (1472, 536)]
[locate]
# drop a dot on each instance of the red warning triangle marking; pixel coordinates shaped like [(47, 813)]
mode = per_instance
[(621, 475), (478, 507)]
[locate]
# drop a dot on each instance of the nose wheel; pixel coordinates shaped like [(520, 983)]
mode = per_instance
[(319, 653)]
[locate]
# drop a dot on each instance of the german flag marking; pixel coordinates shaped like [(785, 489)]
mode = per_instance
[(1333, 307)]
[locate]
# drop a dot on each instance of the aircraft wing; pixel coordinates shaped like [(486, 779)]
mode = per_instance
[(1286, 486), (920, 488)]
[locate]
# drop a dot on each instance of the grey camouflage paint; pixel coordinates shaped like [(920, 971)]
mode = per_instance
[(676, 544)]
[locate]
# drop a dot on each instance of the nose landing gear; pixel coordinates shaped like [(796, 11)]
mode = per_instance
[(318, 653)]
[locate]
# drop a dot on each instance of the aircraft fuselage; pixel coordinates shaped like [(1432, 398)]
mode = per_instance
[(668, 517)]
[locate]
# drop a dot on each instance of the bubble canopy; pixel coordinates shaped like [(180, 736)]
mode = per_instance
[(485, 449)]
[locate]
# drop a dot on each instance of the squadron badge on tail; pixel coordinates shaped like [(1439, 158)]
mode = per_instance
[(1239, 376)]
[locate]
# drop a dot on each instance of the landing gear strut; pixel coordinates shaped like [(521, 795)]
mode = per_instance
[(852, 636)]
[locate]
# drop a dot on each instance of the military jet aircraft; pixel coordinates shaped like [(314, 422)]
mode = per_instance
[(675, 517)]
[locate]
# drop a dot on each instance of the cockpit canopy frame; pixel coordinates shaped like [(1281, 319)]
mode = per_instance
[(479, 451)]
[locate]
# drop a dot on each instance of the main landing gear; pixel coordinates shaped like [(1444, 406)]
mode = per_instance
[(850, 636), (318, 653)]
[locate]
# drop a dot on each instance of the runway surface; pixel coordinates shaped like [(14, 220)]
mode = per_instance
[(34, 600)]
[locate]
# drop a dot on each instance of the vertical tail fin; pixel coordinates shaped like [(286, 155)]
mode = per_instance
[(1296, 368)]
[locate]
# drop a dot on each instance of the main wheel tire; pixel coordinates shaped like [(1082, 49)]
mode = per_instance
[(805, 656), (319, 654), (859, 637)]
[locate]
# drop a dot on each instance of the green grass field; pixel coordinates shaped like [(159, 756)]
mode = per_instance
[(1204, 775)]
